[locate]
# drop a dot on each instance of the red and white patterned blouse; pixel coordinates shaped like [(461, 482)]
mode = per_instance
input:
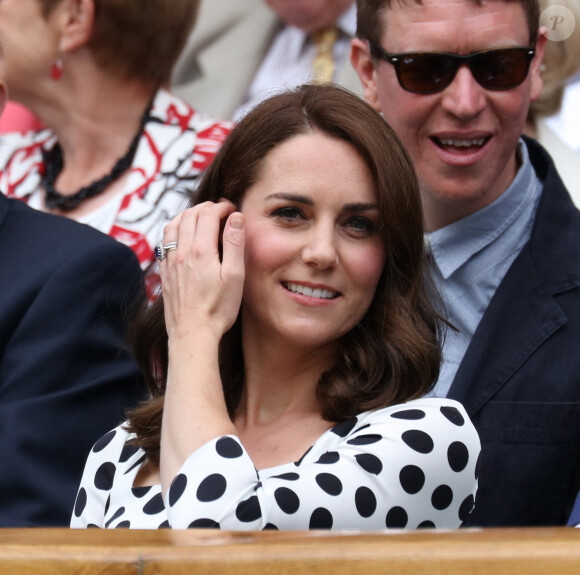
[(177, 144)]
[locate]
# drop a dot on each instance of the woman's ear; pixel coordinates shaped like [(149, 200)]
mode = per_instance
[(76, 19)]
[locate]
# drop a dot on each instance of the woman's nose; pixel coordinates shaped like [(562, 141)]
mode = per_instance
[(320, 248)]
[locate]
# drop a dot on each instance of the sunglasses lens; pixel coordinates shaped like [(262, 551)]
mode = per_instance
[(425, 73), (501, 69)]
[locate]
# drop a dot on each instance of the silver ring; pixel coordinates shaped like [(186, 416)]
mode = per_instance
[(161, 250)]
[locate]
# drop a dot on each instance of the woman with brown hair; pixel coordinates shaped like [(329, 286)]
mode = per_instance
[(292, 344), (119, 149)]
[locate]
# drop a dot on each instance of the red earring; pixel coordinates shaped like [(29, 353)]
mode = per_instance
[(56, 70)]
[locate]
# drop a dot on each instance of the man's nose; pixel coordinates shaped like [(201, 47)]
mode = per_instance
[(464, 97)]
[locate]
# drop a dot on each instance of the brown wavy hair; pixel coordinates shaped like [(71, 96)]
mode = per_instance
[(139, 39), (393, 354)]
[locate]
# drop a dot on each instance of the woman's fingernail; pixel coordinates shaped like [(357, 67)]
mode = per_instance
[(237, 221)]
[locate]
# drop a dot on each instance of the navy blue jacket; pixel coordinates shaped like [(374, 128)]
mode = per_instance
[(66, 375), (520, 377)]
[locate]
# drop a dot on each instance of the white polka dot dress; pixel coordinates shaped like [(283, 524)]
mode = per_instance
[(407, 466)]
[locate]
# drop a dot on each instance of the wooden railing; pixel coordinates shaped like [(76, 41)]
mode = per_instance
[(549, 551)]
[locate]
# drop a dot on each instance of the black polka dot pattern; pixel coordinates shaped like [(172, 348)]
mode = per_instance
[(453, 415), (418, 440), (105, 476), (270, 527), (344, 428), (229, 448), (403, 467), (369, 462), (321, 518), (442, 497), (154, 505), (329, 483), (365, 501), (203, 523), (364, 439), (81, 502), (299, 462), (458, 456), (177, 488), (288, 476), (104, 441), (329, 458), (466, 507), (287, 500), (249, 510), (412, 414), (136, 464), (128, 452), (116, 515), (397, 518), (412, 479), (211, 488), (141, 491)]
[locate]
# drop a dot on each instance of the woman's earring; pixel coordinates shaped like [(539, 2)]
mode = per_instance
[(56, 70)]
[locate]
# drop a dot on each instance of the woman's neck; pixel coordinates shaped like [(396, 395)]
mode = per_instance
[(95, 124), (280, 379), (279, 416)]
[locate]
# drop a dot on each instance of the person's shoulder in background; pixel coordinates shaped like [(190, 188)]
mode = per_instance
[(66, 372)]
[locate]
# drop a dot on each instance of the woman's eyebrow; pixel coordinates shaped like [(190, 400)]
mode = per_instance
[(360, 207), (300, 199)]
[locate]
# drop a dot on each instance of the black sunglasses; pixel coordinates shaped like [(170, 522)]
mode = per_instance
[(431, 72)]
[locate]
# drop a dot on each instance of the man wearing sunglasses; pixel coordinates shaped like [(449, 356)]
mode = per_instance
[(455, 79)]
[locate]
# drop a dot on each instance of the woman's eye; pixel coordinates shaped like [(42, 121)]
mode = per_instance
[(361, 225), (288, 214)]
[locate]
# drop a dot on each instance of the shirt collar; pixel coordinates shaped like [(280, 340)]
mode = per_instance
[(453, 245)]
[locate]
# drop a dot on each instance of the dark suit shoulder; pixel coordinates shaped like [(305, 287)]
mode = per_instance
[(52, 231)]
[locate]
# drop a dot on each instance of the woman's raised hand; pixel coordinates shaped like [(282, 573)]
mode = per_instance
[(201, 298), (200, 292)]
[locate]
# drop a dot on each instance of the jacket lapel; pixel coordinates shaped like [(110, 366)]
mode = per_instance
[(524, 312)]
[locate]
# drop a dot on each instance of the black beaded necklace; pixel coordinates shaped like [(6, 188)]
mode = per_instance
[(52, 160)]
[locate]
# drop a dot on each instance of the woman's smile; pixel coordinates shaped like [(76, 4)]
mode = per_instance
[(315, 202), (314, 292)]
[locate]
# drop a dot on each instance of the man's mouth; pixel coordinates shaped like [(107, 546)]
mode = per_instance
[(460, 144)]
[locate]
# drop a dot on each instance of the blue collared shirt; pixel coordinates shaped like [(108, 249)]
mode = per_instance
[(471, 257)]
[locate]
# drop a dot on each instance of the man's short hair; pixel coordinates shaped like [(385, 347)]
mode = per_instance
[(370, 16)]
